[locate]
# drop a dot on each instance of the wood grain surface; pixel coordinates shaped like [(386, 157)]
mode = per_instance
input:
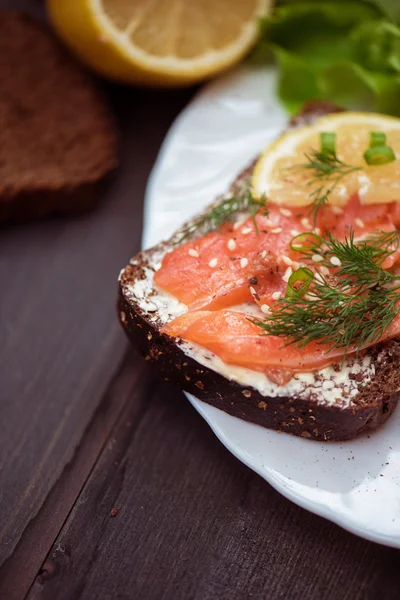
[(193, 522), (111, 486)]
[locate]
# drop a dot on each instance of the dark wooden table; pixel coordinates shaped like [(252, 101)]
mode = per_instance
[(111, 486)]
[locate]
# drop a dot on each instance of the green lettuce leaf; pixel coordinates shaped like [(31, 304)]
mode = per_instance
[(352, 86), (376, 46), (298, 82), (316, 31), (390, 8), (387, 8), (342, 51)]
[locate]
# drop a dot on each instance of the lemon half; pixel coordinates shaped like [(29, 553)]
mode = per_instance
[(158, 42), (280, 177)]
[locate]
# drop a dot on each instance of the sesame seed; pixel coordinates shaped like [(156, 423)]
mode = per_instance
[(276, 230), (244, 262), (276, 295), (213, 263), (269, 223), (359, 222), (265, 308), (193, 252), (246, 230), (294, 232), (319, 278), (317, 231), (305, 222), (324, 270), (295, 265), (285, 212), (287, 261), (287, 274), (252, 291), (336, 261), (263, 254), (338, 210), (231, 244), (317, 257), (237, 224)]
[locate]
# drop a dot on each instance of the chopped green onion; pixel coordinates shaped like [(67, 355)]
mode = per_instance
[(379, 155), (377, 138), (328, 143), (299, 282), (306, 241)]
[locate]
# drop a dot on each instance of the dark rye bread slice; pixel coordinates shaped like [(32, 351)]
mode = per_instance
[(57, 136), (336, 403)]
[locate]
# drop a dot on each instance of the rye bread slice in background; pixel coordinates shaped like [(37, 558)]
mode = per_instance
[(367, 394), (58, 138)]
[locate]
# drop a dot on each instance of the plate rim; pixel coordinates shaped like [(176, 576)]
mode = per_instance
[(318, 508)]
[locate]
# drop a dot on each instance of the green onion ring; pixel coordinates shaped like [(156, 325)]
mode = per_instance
[(299, 242), (302, 276), (379, 155), (377, 138), (328, 142)]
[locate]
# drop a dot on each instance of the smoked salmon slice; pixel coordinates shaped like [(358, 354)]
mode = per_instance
[(215, 271), (237, 341), (242, 263)]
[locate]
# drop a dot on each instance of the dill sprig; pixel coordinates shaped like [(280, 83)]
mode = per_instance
[(349, 310), (326, 171), (242, 201), (360, 263)]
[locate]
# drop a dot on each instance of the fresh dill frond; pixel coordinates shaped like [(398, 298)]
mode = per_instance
[(326, 171), (334, 318), (224, 211), (348, 310), (359, 262)]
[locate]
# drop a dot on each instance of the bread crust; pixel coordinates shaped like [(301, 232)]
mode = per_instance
[(302, 414)]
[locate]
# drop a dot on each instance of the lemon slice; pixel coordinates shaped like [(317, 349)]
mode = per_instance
[(279, 176), (158, 42)]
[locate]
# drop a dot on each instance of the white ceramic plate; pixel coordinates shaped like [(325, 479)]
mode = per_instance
[(355, 484)]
